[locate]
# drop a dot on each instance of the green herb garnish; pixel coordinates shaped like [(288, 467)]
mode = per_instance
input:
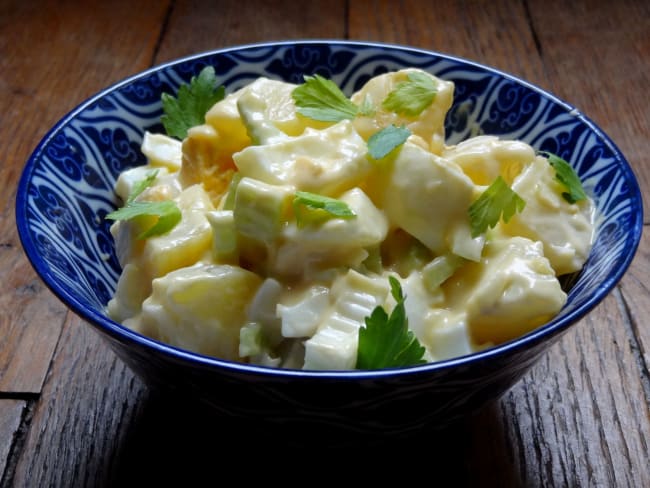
[(167, 211), (192, 102), (566, 175), (413, 96), (312, 208), (320, 99), (381, 143), (497, 201), (386, 341)]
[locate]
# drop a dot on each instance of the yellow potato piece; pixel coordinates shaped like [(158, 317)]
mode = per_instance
[(207, 159), (429, 125), (565, 229), (208, 148), (186, 243), (201, 308), (484, 158), (512, 290)]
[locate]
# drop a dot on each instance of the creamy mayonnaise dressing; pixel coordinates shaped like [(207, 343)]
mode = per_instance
[(240, 277)]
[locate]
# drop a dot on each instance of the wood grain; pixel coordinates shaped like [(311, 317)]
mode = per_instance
[(458, 28), (596, 56), (30, 327), (84, 411), (11, 412), (564, 424), (635, 287), (202, 25), (579, 418), (50, 60), (533, 432)]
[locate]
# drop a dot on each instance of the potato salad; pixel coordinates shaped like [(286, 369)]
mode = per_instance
[(288, 225)]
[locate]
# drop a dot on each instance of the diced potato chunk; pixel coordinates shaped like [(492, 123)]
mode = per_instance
[(224, 118), (484, 158), (509, 293), (162, 150), (336, 242), (564, 228), (446, 334), (132, 289), (200, 308), (207, 160), (428, 197), (186, 243), (429, 125), (327, 162)]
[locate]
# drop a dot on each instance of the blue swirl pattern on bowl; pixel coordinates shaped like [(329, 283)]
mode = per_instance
[(67, 189)]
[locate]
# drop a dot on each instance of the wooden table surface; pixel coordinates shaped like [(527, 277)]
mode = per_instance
[(72, 414)]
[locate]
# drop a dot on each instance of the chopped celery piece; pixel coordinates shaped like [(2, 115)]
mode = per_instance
[(250, 339), (415, 257), (373, 262), (334, 345), (439, 270), (224, 236), (229, 201), (262, 309), (253, 108), (261, 209), (403, 253)]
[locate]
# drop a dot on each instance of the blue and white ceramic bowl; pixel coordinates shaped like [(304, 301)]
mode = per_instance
[(67, 188)]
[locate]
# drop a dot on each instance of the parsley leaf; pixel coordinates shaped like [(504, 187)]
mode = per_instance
[(565, 174), (320, 99), (497, 200), (386, 341), (413, 96), (167, 211), (192, 102), (311, 208), (381, 143)]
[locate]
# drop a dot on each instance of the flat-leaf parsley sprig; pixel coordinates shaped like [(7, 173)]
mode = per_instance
[(386, 341), (321, 99), (383, 142), (167, 212), (191, 103), (312, 208), (497, 201), (413, 96), (566, 175)]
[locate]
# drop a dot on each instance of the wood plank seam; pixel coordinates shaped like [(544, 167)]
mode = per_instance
[(161, 35), (19, 395), (6, 478), (640, 355), (533, 30)]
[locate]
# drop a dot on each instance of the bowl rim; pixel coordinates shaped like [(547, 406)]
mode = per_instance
[(123, 334)]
